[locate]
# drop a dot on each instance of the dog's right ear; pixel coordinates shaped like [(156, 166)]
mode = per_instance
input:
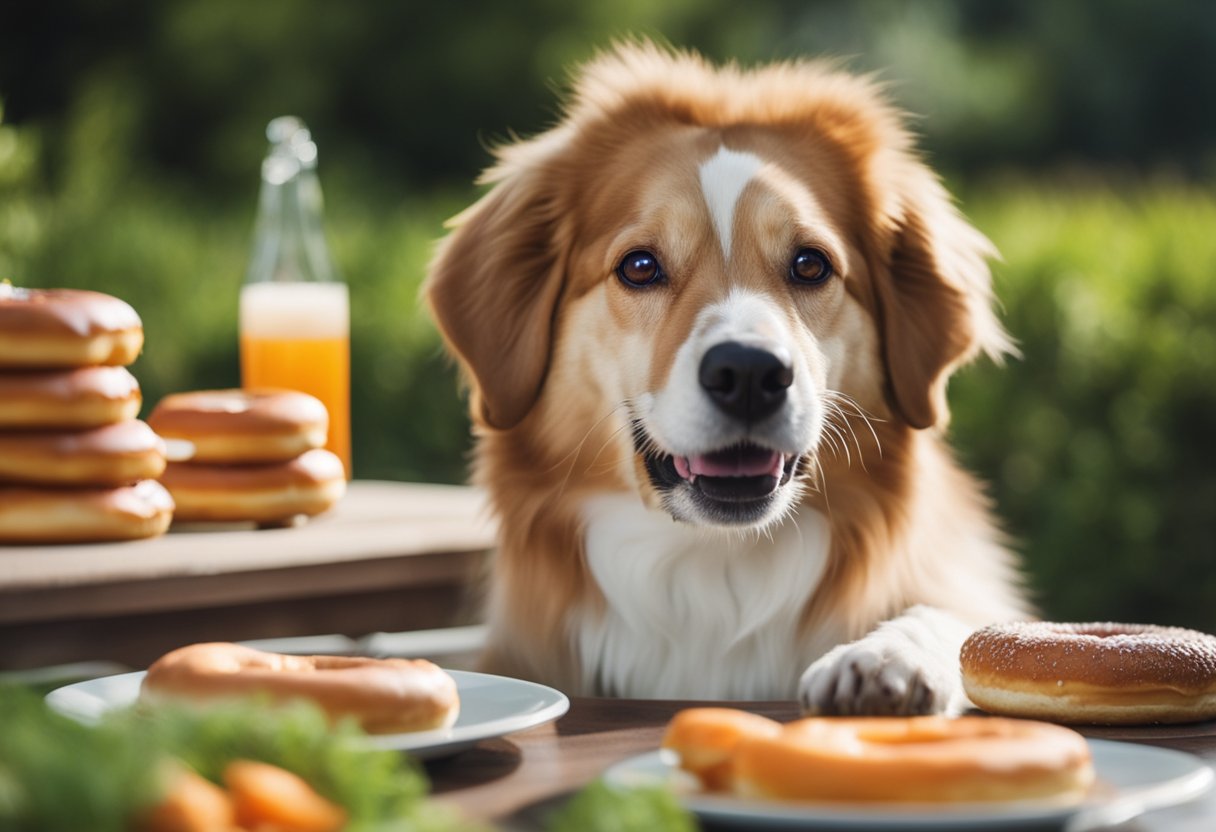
[(494, 284)]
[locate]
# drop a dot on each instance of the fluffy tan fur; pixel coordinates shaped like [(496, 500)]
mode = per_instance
[(524, 294)]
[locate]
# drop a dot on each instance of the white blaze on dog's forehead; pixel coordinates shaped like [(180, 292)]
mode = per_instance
[(723, 178), (743, 316)]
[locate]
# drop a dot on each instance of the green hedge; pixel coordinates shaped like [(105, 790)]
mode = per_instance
[(1097, 442)]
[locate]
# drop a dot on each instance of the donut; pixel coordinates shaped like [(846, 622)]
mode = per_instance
[(41, 328), (110, 455), (706, 739), (1101, 673), (384, 695), (87, 397), (237, 426), (265, 493), (922, 759), (83, 515)]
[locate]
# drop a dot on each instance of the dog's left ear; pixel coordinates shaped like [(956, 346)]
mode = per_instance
[(934, 300), (494, 284)]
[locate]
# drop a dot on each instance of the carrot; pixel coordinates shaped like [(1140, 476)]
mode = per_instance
[(266, 795), (193, 804)]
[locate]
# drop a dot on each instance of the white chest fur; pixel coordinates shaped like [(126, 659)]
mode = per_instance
[(697, 613)]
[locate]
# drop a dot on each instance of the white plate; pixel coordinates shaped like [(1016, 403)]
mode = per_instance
[(1132, 779), (490, 706)]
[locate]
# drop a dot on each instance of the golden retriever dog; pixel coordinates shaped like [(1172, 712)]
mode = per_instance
[(707, 322)]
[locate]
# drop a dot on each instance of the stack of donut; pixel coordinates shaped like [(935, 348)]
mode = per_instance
[(75, 463), (247, 456)]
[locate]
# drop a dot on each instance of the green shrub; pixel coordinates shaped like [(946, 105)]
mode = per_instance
[(1097, 442)]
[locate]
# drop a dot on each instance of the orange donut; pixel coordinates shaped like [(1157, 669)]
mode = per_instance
[(87, 397), (384, 695), (110, 455), (267, 493), (706, 739), (923, 759), (1102, 673), (237, 426), (82, 515), (41, 328)]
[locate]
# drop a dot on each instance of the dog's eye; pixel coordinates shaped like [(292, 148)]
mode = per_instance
[(639, 268), (810, 267)]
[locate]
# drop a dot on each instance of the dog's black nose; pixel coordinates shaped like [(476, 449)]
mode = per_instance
[(748, 383)]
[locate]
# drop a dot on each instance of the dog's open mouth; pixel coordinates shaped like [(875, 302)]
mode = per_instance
[(733, 483), (736, 474)]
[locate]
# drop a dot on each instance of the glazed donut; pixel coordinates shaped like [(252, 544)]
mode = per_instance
[(238, 426), (42, 328), (110, 455), (706, 739), (1108, 674), (922, 759), (88, 397), (384, 695), (83, 515), (266, 493)]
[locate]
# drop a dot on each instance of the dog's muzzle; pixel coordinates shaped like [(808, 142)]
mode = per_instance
[(736, 482)]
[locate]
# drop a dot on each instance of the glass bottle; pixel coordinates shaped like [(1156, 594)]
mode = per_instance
[(294, 307)]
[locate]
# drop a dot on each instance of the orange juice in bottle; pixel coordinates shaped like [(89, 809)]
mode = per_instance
[(294, 308)]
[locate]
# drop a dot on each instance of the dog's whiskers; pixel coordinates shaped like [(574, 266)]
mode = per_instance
[(591, 465), (837, 398), (822, 482), (577, 451)]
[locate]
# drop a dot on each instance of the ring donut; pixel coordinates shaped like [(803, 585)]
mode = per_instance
[(87, 397), (924, 759), (268, 493), (384, 695), (84, 515), (239, 426), (706, 739), (110, 455), (1100, 673), (43, 328)]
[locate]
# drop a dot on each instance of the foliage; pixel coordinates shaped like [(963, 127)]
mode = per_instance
[(45, 759), (371, 786), (129, 163), (1099, 440), (57, 775), (409, 93), (602, 808)]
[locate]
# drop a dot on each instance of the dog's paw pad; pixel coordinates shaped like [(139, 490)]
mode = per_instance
[(875, 677)]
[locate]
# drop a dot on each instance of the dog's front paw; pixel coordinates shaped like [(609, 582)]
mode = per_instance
[(880, 675)]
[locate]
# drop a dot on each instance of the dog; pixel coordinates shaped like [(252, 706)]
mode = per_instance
[(706, 323)]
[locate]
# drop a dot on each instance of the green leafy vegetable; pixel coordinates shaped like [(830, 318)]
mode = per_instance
[(58, 775), (371, 785), (601, 808)]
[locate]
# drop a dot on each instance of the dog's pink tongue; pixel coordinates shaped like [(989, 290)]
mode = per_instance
[(734, 462)]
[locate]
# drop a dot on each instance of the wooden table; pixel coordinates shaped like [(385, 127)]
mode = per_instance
[(390, 556), (516, 781)]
